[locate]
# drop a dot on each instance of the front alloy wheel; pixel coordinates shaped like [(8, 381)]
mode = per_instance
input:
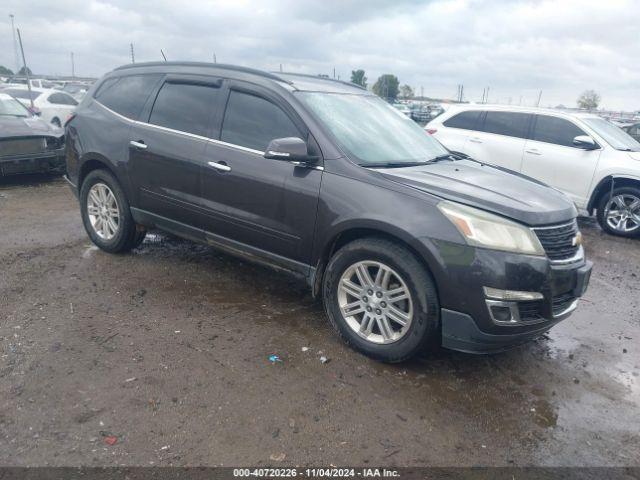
[(375, 302), (623, 213), (381, 299)]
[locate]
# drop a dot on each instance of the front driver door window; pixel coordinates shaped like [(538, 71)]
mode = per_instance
[(551, 157), (266, 204)]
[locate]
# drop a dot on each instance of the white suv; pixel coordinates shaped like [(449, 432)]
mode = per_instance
[(588, 158)]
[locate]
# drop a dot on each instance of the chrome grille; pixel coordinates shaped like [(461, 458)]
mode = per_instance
[(559, 241)]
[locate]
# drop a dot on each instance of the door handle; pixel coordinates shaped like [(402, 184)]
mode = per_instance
[(220, 166), (533, 151), (475, 140), (140, 145)]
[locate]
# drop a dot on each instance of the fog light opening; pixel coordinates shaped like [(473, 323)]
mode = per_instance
[(501, 314)]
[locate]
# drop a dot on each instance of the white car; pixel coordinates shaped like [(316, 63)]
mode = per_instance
[(53, 106), (586, 157)]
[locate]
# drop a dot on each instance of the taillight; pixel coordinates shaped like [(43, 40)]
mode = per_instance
[(430, 131), (70, 117)]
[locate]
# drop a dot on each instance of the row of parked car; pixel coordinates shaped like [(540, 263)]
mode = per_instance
[(591, 160)]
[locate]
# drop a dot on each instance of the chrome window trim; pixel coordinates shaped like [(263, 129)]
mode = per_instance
[(180, 132)]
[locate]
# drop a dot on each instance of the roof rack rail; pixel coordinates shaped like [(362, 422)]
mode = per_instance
[(318, 77), (223, 66)]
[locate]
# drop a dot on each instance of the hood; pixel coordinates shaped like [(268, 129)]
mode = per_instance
[(26, 126), (634, 155), (493, 189)]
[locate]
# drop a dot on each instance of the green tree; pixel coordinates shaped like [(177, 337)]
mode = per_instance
[(387, 87), (5, 71), (406, 91), (22, 71), (358, 77), (589, 100)]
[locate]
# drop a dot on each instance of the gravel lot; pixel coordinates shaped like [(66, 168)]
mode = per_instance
[(166, 352)]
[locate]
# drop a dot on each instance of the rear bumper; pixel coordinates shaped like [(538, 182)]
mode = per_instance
[(48, 162)]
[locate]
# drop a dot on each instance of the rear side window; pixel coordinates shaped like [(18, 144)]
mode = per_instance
[(252, 122), (465, 120), (62, 99), (555, 130), (511, 124), (126, 95), (184, 107)]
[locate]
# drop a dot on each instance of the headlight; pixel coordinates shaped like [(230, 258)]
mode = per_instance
[(483, 229)]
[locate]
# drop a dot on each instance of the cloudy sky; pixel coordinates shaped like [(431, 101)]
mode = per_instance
[(517, 48)]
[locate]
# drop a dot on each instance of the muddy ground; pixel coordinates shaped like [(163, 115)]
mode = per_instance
[(166, 351)]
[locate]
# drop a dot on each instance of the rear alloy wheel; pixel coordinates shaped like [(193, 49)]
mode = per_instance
[(619, 212), (381, 300), (106, 214), (103, 211)]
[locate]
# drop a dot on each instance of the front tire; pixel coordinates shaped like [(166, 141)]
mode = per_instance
[(106, 215), (619, 212), (56, 121), (381, 300)]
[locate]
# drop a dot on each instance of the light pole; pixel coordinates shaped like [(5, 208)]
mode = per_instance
[(15, 44)]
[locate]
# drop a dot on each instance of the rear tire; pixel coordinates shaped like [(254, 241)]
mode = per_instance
[(375, 323), (619, 212), (106, 214)]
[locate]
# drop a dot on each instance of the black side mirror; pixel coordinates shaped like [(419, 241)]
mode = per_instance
[(289, 149), (585, 142)]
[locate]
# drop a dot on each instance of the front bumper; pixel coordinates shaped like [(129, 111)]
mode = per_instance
[(468, 322), (47, 162)]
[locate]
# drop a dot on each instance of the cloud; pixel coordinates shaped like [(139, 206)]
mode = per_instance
[(517, 48)]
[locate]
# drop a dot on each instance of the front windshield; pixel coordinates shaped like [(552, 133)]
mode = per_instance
[(9, 106), (371, 130), (615, 136)]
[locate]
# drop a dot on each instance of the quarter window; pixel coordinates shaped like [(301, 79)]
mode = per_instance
[(511, 124), (252, 122), (465, 120), (126, 95), (184, 107), (555, 130)]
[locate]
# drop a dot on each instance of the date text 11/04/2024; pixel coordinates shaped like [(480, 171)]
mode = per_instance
[(315, 472)]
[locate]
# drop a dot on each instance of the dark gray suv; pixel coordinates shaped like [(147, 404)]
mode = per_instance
[(407, 243)]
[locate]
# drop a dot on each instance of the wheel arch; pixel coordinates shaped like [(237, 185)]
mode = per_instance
[(94, 162), (606, 185), (349, 233)]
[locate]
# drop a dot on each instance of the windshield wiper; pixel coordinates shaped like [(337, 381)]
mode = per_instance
[(394, 164)]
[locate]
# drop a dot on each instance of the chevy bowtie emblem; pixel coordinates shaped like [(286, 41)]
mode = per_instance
[(577, 240)]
